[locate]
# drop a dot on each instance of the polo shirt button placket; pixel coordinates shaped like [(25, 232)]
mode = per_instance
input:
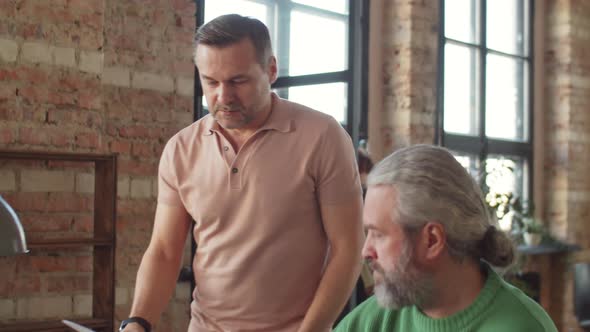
[(235, 178)]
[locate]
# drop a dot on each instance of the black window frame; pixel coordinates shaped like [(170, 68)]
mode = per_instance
[(480, 145)]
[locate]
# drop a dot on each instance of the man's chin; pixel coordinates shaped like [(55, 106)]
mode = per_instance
[(385, 298)]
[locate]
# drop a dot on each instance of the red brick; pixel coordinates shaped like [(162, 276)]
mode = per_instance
[(90, 99), (86, 7), (142, 116), (26, 202), (84, 263), (183, 6), (126, 208), (7, 9), (21, 285), (69, 202), (86, 118), (33, 75), (7, 91), (134, 167), (134, 132), (112, 129), (46, 223), (183, 68), (60, 98), (151, 100), (119, 146), (8, 74), (76, 165), (83, 223), (45, 136), (9, 111), (183, 104), (49, 202), (7, 267), (52, 263), (87, 140), (34, 113), (68, 284), (91, 40), (31, 31), (34, 93), (142, 150)]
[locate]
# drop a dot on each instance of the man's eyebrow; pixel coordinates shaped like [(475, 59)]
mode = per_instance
[(370, 227), (239, 76)]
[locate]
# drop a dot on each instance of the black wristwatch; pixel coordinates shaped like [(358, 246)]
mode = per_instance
[(144, 323)]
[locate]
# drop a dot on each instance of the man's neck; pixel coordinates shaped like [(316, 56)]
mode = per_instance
[(237, 137), (457, 287)]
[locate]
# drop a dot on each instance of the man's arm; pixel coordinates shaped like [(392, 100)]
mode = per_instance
[(342, 223), (158, 271)]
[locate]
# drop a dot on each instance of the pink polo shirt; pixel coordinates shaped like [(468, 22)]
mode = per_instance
[(261, 247)]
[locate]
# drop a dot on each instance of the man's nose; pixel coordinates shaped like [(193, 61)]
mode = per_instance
[(225, 95), (368, 251)]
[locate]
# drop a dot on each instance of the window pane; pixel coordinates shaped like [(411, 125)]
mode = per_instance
[(460, 96), (461, 20), (242, 7), (330, 98), (469, 162), (338, 6), (507, 26), (505, 182), (317, 45), (505, 98)]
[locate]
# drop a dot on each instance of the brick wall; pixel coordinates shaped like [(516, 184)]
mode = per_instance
[(88, 76), (567, 98), (409, 49)]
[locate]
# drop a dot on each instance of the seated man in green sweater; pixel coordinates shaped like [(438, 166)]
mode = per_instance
[(431, 244)]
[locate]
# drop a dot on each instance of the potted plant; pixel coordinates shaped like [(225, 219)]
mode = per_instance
[(532, 231)]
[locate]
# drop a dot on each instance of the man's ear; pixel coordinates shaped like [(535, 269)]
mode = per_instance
[(272, 69), (432, 242)]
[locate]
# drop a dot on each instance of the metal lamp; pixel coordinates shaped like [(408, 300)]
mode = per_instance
[(12, 235)]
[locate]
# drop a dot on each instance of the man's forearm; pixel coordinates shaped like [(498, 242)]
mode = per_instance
[(156, 280), (334, 289)]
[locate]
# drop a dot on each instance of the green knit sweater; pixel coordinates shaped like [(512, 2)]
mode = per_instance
[(499, 307)]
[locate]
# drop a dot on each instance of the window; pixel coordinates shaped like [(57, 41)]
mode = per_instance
[(320, 52), (484, 97)]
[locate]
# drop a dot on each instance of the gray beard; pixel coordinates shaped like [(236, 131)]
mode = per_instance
[(404, 286)]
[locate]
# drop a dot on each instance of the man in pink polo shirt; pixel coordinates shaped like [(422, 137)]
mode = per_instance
[(274, 190)]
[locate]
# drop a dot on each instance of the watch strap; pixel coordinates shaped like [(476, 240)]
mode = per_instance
[(139, 320)]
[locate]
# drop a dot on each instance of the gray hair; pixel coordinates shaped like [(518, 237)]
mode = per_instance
[(229, 29), (431, 185)]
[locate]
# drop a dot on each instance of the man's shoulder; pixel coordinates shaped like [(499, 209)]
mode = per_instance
[(305, 115), (190, 133), (520, 311), (367, 317)]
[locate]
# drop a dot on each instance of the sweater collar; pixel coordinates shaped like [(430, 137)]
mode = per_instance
[(461, 320)]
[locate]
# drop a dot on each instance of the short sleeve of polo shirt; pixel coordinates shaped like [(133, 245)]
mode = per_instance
[(337, 177), (167, 179)]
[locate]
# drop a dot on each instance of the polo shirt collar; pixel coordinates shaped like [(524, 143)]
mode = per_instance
[(278, 120)]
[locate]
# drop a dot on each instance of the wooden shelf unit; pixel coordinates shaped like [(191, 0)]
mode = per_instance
[(103, 240)]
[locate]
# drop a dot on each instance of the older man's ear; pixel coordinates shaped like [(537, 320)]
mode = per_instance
[(430, 243)]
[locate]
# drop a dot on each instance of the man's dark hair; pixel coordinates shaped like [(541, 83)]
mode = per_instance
[(229, 29)]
